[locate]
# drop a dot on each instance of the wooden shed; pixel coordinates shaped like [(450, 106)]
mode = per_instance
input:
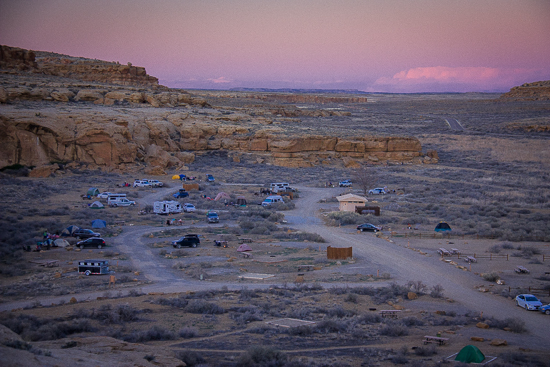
[(348, 202)]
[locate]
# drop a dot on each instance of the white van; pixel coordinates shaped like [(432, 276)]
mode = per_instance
[(272, 200)]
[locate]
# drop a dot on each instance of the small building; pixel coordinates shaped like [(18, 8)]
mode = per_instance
[(348, 202)]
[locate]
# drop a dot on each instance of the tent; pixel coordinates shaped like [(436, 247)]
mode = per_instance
[(442, 227), (244, 247), (241, 200), (176, 177), (470, 354), (92, 191), (69, 231), (222, 195), (61, 243), (97, 205), (99, 223)]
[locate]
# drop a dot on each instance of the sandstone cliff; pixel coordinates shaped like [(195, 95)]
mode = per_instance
[(60, 110), (537, 91)]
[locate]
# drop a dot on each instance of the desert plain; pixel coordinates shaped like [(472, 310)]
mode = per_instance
[(478, 161)]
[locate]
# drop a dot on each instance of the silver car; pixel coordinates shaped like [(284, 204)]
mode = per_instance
[(528, 301)]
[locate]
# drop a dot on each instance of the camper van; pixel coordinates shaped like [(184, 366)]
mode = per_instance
[(167, 207), (96, 267), (272, 199)]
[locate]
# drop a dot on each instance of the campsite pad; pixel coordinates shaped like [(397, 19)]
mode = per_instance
[(256, 276), (288, 322)]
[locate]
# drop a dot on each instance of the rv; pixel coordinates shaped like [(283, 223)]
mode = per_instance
[(281, 187), (89, 267), (167, 207), (272, 200)]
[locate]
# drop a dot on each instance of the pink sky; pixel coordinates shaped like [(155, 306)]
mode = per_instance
[(370, 45)]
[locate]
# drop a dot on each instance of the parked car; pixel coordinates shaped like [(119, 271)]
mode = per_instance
[(212, 217), (377, 191), (181, 194), (528, 301), (104, 195), (121, 202), (345, 183), (85, 233), (210, 178), (91, 242), (188, 208), (189, 240), (156, 183), (142, 183), (545, 309), (367, 227)]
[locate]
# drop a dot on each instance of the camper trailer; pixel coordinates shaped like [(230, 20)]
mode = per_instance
[(167, 207), (89, 267)]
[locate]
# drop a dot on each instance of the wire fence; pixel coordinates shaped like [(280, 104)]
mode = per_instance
[(456, 235)]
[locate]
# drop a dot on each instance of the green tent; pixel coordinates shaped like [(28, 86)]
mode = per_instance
[(92, 191), (470, 354)]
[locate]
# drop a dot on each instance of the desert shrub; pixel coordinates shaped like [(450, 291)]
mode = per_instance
[(370, 318), (394, 329), (276, 217), (191, 358), (299, 236), (52, 330), (412, 321), (173, 302), (302, 330), (188, 332), (246, 294), (437, 291), (491, 277), (384, 294), (154, 333), (507, 246), (246, 317), (400, 359), (339, 312), (351, 297), (515, 324), (302, 313), (427, 351), (262, 356), (417, 286), (495, 249), (344, 218), (330, 326), (519, 359), (203, 307), (18, 344)]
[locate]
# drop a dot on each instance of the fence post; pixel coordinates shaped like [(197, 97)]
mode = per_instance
[(506, 257)]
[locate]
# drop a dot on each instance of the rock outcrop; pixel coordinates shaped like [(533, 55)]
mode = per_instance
[(70, 110), (537, 91)]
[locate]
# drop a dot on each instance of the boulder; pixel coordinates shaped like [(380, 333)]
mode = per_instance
[(499, 342), (482, 325), (89, 95), (44, 171), (477, 339), (412, 295)]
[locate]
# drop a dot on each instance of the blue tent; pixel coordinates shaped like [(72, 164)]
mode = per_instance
[(69, 231), (99, 223), (442, 227)]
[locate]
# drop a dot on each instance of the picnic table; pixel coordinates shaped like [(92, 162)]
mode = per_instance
[(435, 339), (521, 270), (443, 252), (389, 313), (470, 259), (305, 267), (455, 251), (245, 240)]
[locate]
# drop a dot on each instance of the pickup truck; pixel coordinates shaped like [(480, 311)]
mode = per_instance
[(142, 183), (121, 202)]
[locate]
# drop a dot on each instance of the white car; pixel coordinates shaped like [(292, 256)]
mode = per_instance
[(345, 183), (156, 183), (104, 195), (377, 191), (142, 183), (188, 208), (528, 301)]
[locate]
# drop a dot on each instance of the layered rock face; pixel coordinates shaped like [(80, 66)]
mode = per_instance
[(537, 91), (59, 109), (127, 140)]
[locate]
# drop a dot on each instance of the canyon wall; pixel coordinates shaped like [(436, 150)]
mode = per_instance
[(537, 91)]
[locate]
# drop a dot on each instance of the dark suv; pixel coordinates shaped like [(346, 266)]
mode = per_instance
[(91, 242), (189, 240), (85, 233)]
